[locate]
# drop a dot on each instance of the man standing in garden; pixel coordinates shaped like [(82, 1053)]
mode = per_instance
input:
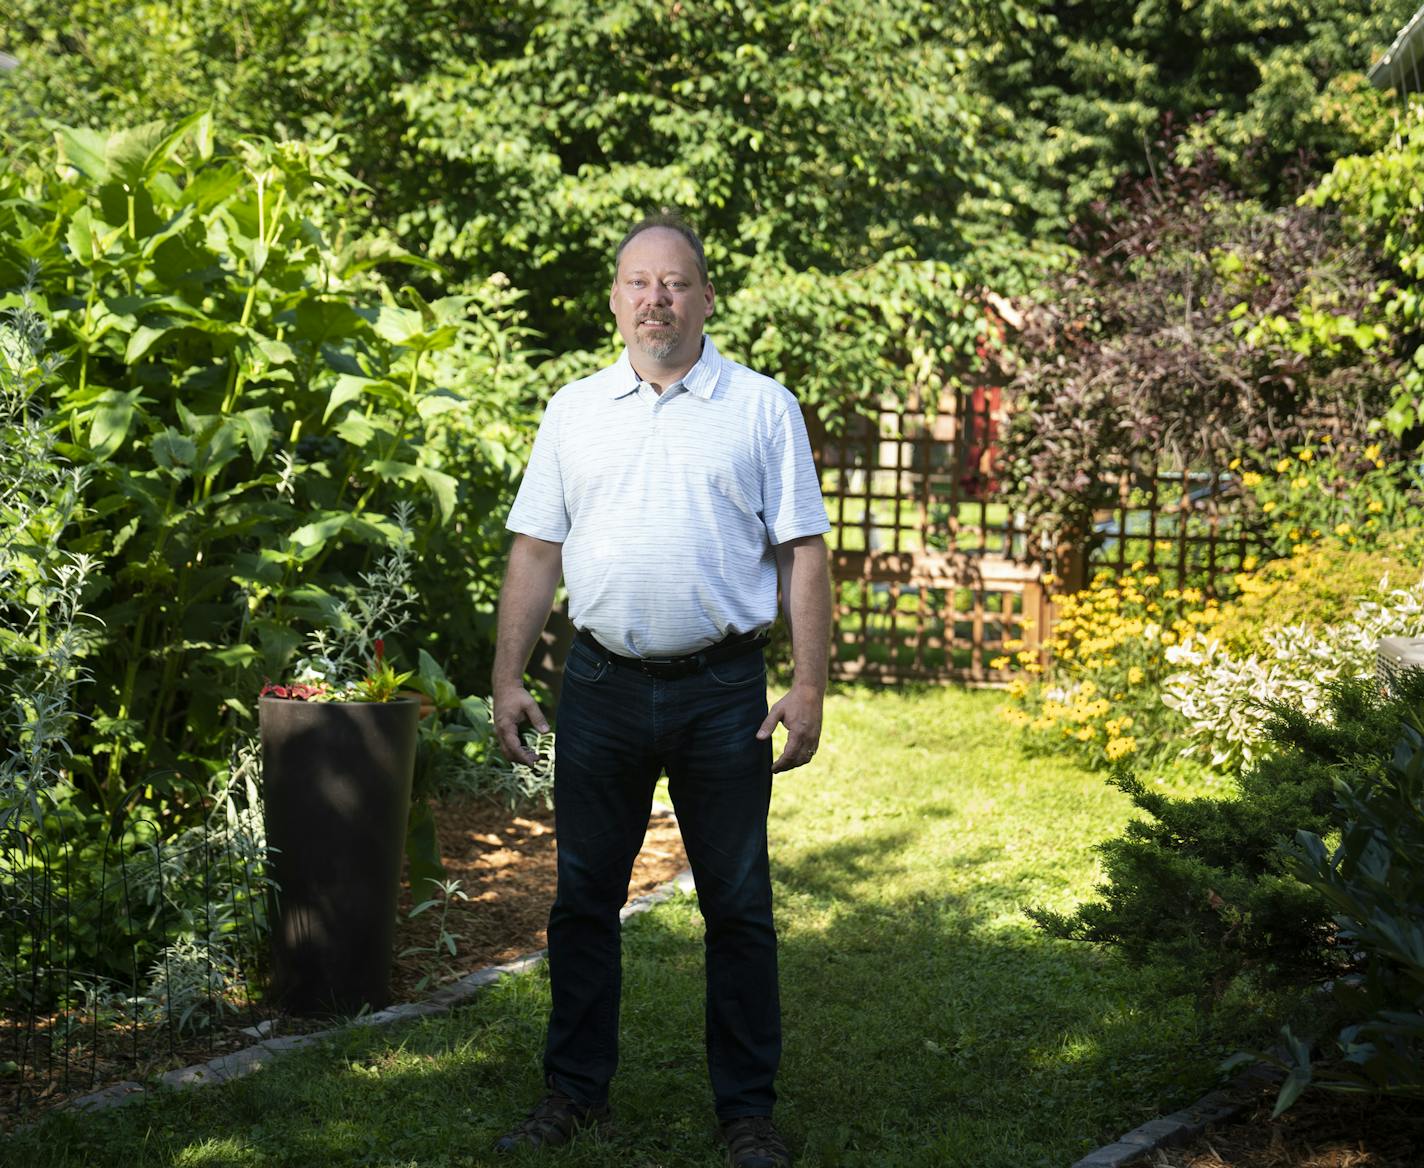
[(673, 491)]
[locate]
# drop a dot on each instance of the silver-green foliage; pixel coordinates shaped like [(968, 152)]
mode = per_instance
[(342, 648), (1225, 696), (41, 583)]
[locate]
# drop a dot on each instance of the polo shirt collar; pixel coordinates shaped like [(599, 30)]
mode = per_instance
[(700, 381)]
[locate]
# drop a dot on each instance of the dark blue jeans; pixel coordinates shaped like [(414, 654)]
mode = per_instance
[(618, 730)]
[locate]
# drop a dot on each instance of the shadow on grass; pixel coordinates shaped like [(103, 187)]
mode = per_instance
[(920, 1030)]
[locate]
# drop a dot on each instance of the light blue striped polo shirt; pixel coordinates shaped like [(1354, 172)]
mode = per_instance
[(668, 505)]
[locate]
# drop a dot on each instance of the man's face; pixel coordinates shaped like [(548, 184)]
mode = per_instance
[(660, 301)]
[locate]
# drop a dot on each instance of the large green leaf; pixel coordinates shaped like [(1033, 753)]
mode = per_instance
[(256, 427), (437, 402), (110, 421), (80, 236), (422, 847), (84, 149), (172, 449), (145, 336), (127, 156), (362, 254), (399, 326), (314, 535), (319, 319), (173, 227), (348, 388), (135, 154), (234, 655), (355, 429), (441, 485)]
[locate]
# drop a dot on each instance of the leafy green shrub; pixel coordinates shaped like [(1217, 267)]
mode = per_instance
[(1206, 887), (147, 921), (829, 157), (1319, 584), (1353, 496), (245, 418), (1377, 196), (248, 403), (1194, 323), (459, 753), (1373, 881), (1077, 88)]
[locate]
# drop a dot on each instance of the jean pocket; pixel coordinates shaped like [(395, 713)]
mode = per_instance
[(583, 664), (743, 670)]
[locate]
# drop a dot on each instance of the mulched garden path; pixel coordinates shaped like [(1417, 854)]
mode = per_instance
[(506, 868), (1322, 1130)]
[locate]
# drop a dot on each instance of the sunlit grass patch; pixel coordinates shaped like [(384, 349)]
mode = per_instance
[(927, 1021)]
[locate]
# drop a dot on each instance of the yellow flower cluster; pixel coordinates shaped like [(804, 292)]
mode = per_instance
[(1316, 585), (1108, 649), (1345, 492), (1093, 625)]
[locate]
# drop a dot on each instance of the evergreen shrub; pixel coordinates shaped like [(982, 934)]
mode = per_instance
[(1373, 879), (1208, 887)]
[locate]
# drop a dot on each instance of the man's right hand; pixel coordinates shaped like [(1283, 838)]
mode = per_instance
[(514, 705), (529, 583)]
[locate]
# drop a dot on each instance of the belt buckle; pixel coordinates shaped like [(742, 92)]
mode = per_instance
[(670, 668)]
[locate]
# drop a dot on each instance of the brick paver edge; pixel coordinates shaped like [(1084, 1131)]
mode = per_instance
[(1183, 1125)]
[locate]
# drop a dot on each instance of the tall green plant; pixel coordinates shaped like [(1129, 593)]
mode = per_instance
[(1377, 196), (247, 398)]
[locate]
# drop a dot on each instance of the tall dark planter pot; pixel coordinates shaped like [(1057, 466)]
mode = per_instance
[(336, 781)]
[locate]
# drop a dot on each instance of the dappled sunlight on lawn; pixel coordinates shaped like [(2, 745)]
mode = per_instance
[(927, 1021)]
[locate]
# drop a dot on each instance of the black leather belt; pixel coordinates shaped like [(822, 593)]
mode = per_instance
[(686, 666)]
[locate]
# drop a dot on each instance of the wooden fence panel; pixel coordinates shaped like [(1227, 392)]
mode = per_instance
[(933, 578), (930, 584)]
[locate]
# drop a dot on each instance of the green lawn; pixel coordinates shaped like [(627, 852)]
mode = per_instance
[(927, 1021)]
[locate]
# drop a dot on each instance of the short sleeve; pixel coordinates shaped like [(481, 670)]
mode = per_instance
[(539, 508), (791, 489)]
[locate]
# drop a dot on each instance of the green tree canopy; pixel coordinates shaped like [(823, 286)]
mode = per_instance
[(1081, 89)]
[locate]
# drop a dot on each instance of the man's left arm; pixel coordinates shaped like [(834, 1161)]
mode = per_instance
[(806, 600)]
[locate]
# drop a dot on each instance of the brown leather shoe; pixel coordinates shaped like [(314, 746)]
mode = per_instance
[(553, 1123), (754, 1142)]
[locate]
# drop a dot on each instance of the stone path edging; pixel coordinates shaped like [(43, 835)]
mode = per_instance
[(1183, 1125), (243, 1062)]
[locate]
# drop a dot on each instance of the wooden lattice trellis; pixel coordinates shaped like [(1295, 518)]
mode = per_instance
[(929, 577), (1188, 528), (933, 579)]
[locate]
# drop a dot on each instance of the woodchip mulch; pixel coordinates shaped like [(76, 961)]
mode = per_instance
[(1322, 1130)]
